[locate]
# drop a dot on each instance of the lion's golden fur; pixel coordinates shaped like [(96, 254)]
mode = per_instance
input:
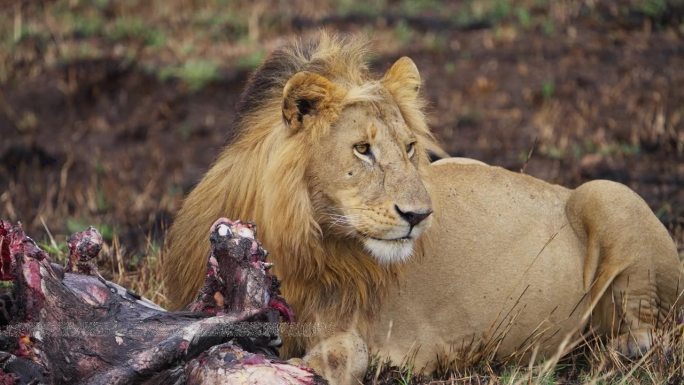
[(261, 176)]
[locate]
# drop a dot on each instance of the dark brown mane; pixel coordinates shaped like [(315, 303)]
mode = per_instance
[(322, 55)]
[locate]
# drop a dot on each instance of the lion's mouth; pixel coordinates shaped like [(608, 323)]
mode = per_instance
[(389, 251), (407, 238)]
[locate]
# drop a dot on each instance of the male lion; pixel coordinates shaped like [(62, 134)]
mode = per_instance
[(398, 255)]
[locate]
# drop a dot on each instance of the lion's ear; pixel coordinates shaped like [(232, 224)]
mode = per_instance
[(402, 79), (305, 95)]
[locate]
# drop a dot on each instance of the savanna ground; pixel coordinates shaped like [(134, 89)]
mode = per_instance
[(110, 111)]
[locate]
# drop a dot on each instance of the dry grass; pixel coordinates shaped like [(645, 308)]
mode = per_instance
[(146, 277), (584, 360)]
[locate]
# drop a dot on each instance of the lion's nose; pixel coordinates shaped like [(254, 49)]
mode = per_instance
[(413, 217)]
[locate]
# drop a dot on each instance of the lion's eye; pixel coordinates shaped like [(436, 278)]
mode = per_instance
[(411, 149), (362, 148)]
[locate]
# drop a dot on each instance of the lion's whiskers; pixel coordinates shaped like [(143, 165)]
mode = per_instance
[(342, 223), (359, 208)]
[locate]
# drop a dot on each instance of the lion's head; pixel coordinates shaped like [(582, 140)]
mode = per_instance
[(365, 157), (327, 160)]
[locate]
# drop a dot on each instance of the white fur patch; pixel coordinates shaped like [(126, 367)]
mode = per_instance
[(389, 251)]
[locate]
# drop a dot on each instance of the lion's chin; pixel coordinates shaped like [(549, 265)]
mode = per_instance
[(388, 252)]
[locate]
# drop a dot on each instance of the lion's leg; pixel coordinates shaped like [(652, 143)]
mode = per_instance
[(632, 269), (627, 314), (341, 358)]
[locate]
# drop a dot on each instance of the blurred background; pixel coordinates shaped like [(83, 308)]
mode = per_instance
[(110, 111)]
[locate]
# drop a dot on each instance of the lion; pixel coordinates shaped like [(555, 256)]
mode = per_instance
[(397, 255)]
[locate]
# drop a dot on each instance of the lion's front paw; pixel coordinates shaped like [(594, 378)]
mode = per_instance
[(633, 344), (341, 359)]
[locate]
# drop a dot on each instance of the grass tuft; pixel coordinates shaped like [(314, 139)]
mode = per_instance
[(195, 74)]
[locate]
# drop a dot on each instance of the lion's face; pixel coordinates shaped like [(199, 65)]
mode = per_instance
[(367, 168), (364, 174)]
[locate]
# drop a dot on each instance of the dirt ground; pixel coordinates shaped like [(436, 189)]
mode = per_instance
[(111, 111)]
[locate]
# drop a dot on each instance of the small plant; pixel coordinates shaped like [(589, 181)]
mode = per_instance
[(403, 32), (232, 25), (414, 7), (57, 251), (101, 4), (74, 225), (469, 118), (548, 89), (654, 9), (368, 7), (86, 26), (198, 73), (135, 28), (546, 379), (619, 148), (435, 42), (127, 28), (548, 27), (553, 152), (252, 60), (155, 38), (501, 9), (524, 17), (406, 375)]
